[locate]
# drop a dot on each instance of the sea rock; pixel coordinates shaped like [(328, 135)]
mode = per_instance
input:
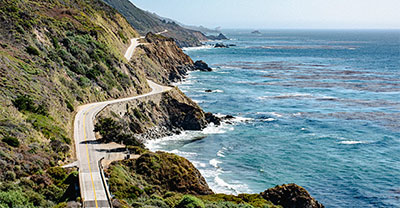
[(220, 45), (202, 66), (208, 91), (219, 37), (291, 196), (228, 117), (211, 118), (256, 32)]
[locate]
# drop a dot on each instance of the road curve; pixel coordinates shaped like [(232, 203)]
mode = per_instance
[(89, 152)]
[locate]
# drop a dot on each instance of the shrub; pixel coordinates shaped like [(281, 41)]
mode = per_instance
[(14, 199), (10, 176), (189, 201), (32, 50), (69, 106), (12, 141), (24, 102), (42, 110), (57, 173)]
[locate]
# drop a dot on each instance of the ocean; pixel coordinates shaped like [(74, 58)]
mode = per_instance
[(319, 108)]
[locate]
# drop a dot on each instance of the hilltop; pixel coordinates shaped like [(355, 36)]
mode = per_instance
[(145, 22)]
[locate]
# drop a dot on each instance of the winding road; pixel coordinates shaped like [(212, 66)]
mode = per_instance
[(94, 190)]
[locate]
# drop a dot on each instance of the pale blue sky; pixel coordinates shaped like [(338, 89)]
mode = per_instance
[(260, 14)]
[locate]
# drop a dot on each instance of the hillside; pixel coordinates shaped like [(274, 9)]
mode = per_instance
[(54, 55), (145, 22)]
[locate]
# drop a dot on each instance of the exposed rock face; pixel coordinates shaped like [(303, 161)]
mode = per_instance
[(291, 196), (219, 37), (202, 66), (162, 60), (159, 115), (220, 45), (211, 118)]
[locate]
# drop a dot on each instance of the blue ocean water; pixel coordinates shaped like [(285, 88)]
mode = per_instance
[(317, 108)]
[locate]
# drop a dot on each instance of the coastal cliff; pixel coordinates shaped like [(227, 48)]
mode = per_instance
[(158, 115), (167, 180), (57, 55), (161, 59)]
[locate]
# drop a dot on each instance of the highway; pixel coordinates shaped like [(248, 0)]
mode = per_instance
[(94, 191)]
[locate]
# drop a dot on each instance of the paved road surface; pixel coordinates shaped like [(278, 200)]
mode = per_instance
[(89, 151)]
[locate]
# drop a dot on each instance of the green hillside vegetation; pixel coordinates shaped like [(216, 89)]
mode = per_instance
[(54, 55), (145, 22), (167, 180)]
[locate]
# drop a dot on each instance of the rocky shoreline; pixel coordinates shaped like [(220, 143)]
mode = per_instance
[(166, 175)]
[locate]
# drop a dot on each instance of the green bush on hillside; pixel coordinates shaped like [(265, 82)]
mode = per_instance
[(32, 50), (14, 199), (12, 141), (189, 201), (25, 103)]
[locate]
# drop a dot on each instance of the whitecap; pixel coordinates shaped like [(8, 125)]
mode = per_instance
[(214, 163), (222, 186), (275, 114), (197, 48), (351, 142), (181, 153), (268, 119), (221, 152)]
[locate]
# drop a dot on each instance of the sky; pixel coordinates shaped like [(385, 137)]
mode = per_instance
[(280, 14)]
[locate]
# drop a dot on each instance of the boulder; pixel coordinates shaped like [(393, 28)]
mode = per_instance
[(220, 45), (202, 66), (211, 118), (290, 196)]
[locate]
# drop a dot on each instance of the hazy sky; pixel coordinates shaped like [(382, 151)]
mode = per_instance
[(260, 14)]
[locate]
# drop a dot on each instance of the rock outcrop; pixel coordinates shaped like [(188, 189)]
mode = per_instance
[(219, 37), (220, 45), (202, 66), (159, 115), (291, 196), (161, 59)]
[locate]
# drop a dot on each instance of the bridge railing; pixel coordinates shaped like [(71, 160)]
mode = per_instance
[(105, 184)]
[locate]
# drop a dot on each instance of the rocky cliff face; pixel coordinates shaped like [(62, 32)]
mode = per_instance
[(161, 59), (158, 115)]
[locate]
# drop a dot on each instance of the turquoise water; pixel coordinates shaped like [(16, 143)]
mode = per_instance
[(317, 108)]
